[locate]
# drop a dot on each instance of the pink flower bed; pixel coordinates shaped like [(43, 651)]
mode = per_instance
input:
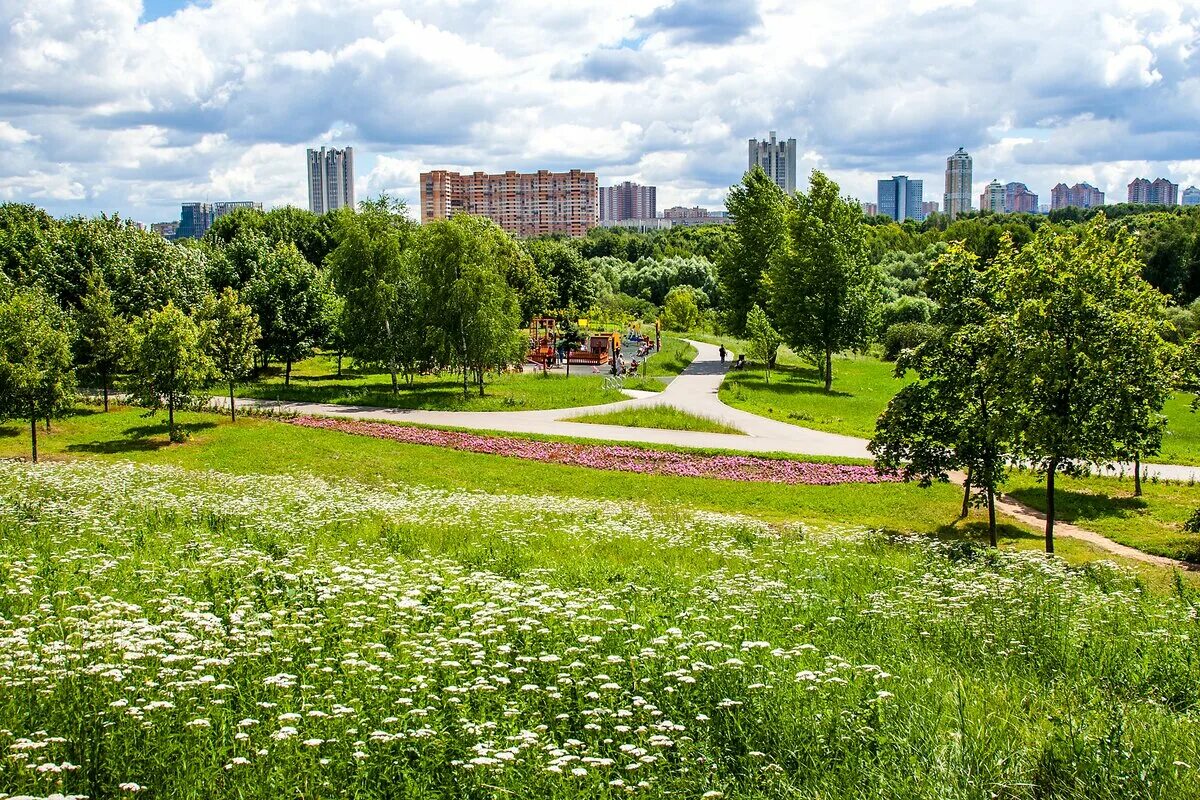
[(612, 457)]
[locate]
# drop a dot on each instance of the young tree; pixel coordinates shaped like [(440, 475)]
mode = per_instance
[(231, 335), (36, 375), (757, 206), (680, 312), (288, 295), (1085, 326), (103, 342), (824, 291), (169, 361), (958, 413), (383, 313), (764, 340)]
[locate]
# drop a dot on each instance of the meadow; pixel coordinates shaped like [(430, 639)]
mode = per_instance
[(663, 417), (194, 633)]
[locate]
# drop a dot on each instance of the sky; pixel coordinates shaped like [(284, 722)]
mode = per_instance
[(135, 107)]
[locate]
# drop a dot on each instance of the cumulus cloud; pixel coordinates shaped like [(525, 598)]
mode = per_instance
[(702, 21)]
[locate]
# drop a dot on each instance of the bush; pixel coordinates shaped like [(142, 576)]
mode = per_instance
[(907, 309), (1193, 523), (903, 336)]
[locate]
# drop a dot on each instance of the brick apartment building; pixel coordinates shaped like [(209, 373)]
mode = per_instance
[(522, 203)]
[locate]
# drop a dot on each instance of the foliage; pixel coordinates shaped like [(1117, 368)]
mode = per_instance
[(824, 291), (289, 296), (169, 362), (36, 374), (680, 309), (764, 340), (231, 335), (1193, 522), (103, 342), (758, 206), (905, 336), (564, 271)]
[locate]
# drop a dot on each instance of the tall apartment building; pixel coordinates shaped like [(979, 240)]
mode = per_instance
[(1138, 191), (522, 203), (929, 207), (778, 160), (958, 183), (1161, 192), (165, 229), (1191, 196), (992, 198), (1019, 200), (900, 198), (869, 209), (1081, 195), (330, 179), (196, 218), (628, 201)]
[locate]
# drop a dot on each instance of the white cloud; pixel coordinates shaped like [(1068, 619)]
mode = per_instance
[(11, 134)]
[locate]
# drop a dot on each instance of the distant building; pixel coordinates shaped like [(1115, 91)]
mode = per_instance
[(1191, 196), (1138, 191), (957, 199), (870, 209), (330, 179), (680, 212), (522, 203), (900, 198), (992, 198), (1019, 200), (1081, 195), (165, 229), (196, 218), (642, 225), (221, 208), (1160, 192), (628, 201), (711, 218), (929, 207), (778, 159)]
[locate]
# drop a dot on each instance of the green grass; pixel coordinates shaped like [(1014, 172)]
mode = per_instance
[(315, 380), (1181, 441), (231, 634), (1152, 523), (663, 417)]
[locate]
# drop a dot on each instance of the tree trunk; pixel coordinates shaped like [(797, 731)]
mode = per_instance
[(232, 408), (479, 373), (466, 391), (339, 363), (395, 381), (1137, 475), (287, 373), (828, 369), (1050, 504), (991, 504), (170, 418), (966, 507), (47, 423), (33, 434), (104, 388)]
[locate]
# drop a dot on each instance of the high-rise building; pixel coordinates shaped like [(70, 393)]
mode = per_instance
[(1019, 200), (900, 198), (628, 201), (992, 198), (778, 160), (1159, 193), (1138, 191), (522, 203), (330, 179), (165, 229), (958, 183), (1081, 195), (196, 218), (869, 209), (1191, 196), (929, 207)]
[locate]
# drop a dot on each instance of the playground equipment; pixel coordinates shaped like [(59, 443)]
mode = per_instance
[(543, 341), (599, 348)]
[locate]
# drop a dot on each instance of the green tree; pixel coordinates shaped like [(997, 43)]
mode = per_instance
[(680, 310), (757, 206), (382, 317), (36, 374), (231, 335), (958, 413), (824, 292), (474, 311), (1085, 326), (564, 272), (169, 361), (103, 342), (288, 295), (764, 340)]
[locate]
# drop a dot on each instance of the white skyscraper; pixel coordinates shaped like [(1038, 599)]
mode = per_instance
[(958, 184), (778, 160), (330, 179)]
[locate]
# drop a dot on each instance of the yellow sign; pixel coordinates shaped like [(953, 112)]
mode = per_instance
[(583, 323)]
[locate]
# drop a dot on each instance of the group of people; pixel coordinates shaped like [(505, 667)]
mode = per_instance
[(741, 359)]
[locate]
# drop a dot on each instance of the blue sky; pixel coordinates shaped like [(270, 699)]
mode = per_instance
[(119, 105)]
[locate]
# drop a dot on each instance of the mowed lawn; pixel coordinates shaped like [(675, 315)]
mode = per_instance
[(262, 446), (661, 417), (316, 380)]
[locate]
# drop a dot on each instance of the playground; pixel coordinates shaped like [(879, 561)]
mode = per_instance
[(620, 350)]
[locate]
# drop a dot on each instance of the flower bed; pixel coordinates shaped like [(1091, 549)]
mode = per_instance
[(613, 457)]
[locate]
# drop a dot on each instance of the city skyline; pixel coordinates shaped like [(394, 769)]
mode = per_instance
[(184, 103)]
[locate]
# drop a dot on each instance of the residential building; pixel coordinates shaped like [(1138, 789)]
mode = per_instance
[(957, 198), (1191, 196), (777, 158), (639, 224), (711, 218), (522, 203), (929, 207), (221, 208), (870, 209), (679, 212), (1161, 192), (165, 229), (330, 179), (628, 201), (992, 198), (1019, 200), (1081, 195), (900, 198), (1138, 191), (196, 218)]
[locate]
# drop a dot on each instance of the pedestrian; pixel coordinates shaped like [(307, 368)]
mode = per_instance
[(722, 352)]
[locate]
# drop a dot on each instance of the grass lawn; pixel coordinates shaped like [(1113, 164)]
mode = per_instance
[(315, 380), (1152, 523), (664, 417)]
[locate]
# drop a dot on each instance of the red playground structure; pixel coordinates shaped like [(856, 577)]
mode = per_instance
[(543, 341)]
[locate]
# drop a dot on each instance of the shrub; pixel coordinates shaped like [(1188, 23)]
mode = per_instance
[(1193, 523), (906, 309), (903, 336)]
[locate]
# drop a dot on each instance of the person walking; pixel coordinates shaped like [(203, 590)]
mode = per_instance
[(722, 352)]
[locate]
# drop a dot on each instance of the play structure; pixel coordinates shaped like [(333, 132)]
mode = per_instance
[(543, 341), (598, 349)]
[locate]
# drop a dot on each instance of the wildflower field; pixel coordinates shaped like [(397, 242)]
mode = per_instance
[(195, 634)]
